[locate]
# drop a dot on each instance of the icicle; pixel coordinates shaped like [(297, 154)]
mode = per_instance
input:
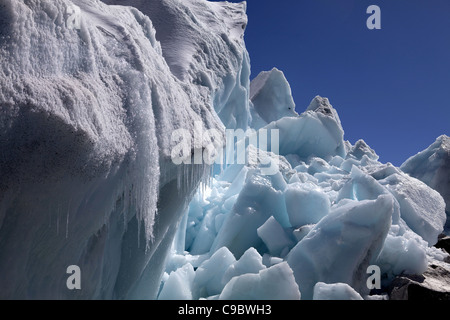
[(67, 225), (67, 218), (179, 178), (139, 232), (200, 190), (126, 206), (193, 176), (184, 177), (204, 178), (57, 222)]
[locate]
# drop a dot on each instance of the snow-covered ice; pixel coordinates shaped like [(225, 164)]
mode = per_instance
[(335, 291), (88, 104), (328, 217), (432, 166), (271, 97), (342, 245), (274, 283), (86, 116)]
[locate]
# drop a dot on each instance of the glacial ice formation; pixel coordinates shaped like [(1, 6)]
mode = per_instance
[(432, 166), (271, 98), (335, 291), (202, 43), (330, 212), (90, 94)]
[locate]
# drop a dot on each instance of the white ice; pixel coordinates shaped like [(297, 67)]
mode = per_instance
[(90, 94), (432, 166), (271, 97), (335, 291), (329, 215)]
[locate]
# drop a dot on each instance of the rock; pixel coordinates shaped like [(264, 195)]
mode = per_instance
[(434, 284), (444, 243)]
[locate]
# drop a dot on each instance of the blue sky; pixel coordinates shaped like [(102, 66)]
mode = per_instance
[(390, 86)]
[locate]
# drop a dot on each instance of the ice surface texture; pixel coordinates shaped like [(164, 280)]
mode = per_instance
[(271, 97), (331, 211), (337, 291), (432, 166), (87, 110)]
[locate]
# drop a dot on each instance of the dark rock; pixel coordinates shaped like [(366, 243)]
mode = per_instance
[(444, 243), (434, 284)]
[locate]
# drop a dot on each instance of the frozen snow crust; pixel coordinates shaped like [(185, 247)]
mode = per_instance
[(89, 97), (88, 103), (432, 166)]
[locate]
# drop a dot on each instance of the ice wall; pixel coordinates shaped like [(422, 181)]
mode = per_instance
[(89, 96), (271, 97), (203, 45)]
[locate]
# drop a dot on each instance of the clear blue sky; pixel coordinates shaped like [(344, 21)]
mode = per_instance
[(390, 86)]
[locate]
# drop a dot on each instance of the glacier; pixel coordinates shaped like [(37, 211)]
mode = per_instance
[(87, 112), (330, 212), (432, 166)]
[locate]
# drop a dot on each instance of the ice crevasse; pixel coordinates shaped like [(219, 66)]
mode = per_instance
[(86, 116)]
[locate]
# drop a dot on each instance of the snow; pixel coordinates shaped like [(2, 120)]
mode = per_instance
[(335, 291), (422, 208), (342, 245), (316, 132), (274, 283), (361, 149), (306, 204), (271, 97), (88, 109), (405, 254), (202, 43), (432, 166)]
